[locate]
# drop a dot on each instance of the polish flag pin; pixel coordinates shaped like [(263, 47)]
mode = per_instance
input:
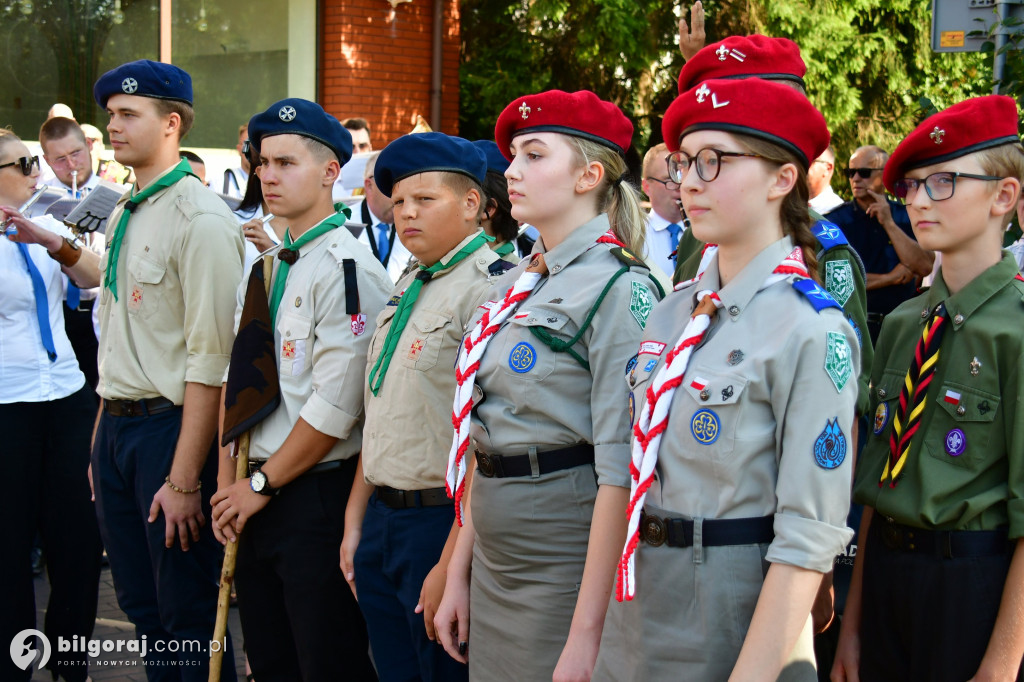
[(699, 384), (952, 397)]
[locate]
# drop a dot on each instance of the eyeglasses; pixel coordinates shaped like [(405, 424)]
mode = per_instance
[(670, 185), (26, 163), (939, 186), (863, 173), (68, 159), (709, 163)]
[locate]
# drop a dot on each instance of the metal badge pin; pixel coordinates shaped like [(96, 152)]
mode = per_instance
[(735, 356), (298, 301), (705, 394), (958, 319), (975, 366)]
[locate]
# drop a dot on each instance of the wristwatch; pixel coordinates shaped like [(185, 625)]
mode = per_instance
[(259, 484)]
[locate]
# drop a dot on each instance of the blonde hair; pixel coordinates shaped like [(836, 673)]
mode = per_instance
[(1004, 161), (617, 197), (795, 218)]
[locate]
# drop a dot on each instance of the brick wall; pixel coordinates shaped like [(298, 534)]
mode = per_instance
[(376, 64)]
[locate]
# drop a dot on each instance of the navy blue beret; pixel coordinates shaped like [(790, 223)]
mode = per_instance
[(144, 78), (496, 161), (294, 116), (425, 152)]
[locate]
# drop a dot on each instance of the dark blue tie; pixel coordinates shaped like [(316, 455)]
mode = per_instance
[(42, 306), (382, 241), (674, 230)]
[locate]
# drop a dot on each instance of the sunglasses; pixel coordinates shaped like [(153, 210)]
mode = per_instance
[(26, 163), (863, 173), (939, 186)]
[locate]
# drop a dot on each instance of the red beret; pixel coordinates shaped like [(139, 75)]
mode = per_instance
[(970, 126), (753, 56), (771, 111), (581, 114)]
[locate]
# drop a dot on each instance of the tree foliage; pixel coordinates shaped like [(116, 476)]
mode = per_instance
[(869, 62)]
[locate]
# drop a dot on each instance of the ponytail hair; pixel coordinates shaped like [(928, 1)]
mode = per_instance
[(617, 197), (794, 215)]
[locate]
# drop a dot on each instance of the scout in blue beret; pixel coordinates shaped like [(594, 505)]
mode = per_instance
[(396, 528), (497, 219), (326, 290), (173, 262), (941, 477)]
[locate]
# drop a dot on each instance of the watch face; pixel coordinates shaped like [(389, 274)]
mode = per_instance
[(258, 481)]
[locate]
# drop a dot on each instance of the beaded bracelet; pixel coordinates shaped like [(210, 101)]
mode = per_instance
[(167, 480)]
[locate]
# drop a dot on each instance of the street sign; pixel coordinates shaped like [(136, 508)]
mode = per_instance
[(953, 21)]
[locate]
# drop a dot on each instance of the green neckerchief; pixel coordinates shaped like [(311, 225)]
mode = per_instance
[(405, 305), (505, 249), (177, 173), (326, 225)]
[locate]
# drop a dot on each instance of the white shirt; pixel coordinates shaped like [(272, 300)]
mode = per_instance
[(659, 242), (94, 241), (826, 201), (26, 373), (84, 188), (399, 258)]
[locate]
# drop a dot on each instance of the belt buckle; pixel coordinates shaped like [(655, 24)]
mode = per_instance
[(485, 464), (654, 531), (130, 409), (892, 537)]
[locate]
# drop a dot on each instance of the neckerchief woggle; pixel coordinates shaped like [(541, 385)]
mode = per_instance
[(177, 173), (406, 303), (326, 225)]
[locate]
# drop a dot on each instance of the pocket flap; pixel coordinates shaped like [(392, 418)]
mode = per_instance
[(293, 326), (146, 271), (430, 321), (549, 319), (713, 389), (965, 404)]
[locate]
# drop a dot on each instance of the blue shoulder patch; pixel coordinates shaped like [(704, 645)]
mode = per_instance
[(828, 235), (818, 297)]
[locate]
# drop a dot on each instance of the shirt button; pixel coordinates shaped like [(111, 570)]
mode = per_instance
[(881, 394), (298, 301), (959, 319), (734, 310), (924, 314), (961, 411), (557, 268), (481, 261), (705, 394)]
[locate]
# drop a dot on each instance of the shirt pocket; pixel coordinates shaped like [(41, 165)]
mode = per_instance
[(380, 331), (713, 410), (429, 328), (524, 355), (295, 352), (144, 293), (960, 429)]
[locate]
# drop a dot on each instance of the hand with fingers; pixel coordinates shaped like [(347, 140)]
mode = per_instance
[(692, 37), (183, 515)]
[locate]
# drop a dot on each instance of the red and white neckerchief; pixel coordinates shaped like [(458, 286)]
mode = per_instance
[(473, 346), (653, 419)]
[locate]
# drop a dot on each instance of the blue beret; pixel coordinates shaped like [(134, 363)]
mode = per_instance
[(294, 116), (144, 78), (425, 152), (496, 161)]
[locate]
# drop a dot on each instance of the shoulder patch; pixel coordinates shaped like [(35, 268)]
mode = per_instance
[(818, 297), (629, 258), (641, 303), (828, 234), (838, 364), (839, 280), (830, 447)]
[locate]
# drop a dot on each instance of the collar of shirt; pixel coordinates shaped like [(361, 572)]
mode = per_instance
[(133, 189), (310, 245), (88, 185), (581, 240), (658, 223), (738, 293), (451, 254), (979, 290)]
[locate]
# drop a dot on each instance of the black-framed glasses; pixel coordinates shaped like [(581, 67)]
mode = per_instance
[(863, 173), (708, 162), (26, 163), (939, 186), (670, 185)]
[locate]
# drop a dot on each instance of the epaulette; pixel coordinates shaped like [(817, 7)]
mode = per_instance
[(829, 235), (500, 267), (818, 297), (627, 257)]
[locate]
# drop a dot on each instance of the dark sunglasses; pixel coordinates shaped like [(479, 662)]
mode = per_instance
[(863, 173), (26, 163)]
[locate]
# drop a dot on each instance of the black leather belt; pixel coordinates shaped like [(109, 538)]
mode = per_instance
[(257, 464), (657, 530), (510, 466), (137, 408), (409, 499), (942, 544)]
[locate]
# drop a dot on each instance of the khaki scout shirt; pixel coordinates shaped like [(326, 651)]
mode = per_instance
[(179, 267), (965, 469), (839, 271), (533, 396), (747, 429), (320, 355), (408, 430)]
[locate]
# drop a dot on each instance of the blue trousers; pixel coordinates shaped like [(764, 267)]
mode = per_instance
[(169, 595), (397, 550)]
